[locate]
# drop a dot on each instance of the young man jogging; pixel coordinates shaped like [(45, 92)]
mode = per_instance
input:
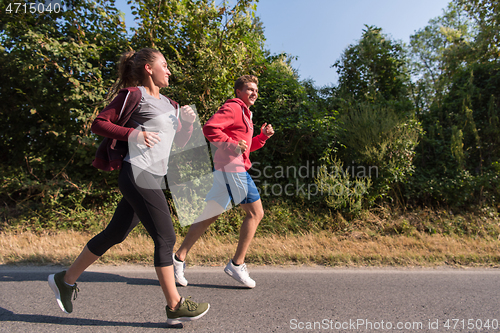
[(230, 131)]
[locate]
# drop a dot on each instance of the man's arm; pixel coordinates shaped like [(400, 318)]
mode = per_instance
[(258, 141), (213, 129)]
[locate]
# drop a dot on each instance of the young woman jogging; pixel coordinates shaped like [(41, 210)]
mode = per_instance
[(150, 123)]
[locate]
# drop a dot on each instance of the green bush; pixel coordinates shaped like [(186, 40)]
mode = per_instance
[(376, 137), (340, 191), (457, 160)]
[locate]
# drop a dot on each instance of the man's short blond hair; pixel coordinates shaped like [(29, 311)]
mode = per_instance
[(242, 80)]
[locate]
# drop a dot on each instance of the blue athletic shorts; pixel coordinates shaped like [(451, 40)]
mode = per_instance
[(236, 186)]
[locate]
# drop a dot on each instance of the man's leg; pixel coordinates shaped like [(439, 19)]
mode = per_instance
[(209, 216), (218, 193), (236, 268), (254, 214)]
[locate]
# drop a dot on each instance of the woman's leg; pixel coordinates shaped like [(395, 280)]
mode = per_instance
[(167, 282), (150, 205), (64, 283), (123, 221), (84, 260)]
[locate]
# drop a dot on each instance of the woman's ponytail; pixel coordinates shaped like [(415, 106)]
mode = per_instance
[(126, 70), (131, 69)]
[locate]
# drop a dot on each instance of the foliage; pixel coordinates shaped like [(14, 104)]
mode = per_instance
[(429, 48), (457, 161), (340, 192), (207, 46), (303, 127), (376, 126), (56, 73), (375, 69), (486, 45), (375, 138), (56, 70), (473, 105)]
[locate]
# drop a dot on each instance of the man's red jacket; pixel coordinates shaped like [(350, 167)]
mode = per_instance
[(232, 123)]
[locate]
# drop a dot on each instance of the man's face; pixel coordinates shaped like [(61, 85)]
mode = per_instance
[(248, 94)]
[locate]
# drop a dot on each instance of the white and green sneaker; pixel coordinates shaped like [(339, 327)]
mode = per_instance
[(63, 291), (187, 311)]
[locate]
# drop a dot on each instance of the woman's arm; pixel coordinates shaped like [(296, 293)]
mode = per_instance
[(105, 123)]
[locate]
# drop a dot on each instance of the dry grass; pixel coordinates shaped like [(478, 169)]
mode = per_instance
[(323, 248)]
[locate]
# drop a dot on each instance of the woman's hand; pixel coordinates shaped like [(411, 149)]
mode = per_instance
[(188, 114), (148, 138), (267, 130)]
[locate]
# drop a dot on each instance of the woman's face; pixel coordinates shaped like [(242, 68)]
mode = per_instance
[(159, 71)]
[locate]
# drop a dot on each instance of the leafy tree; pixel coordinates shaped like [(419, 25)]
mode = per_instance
[(375, 69), (56, 70), (207, 46), (457, 159), (486, 15), (302, 124), (376, 126), (429, 47)]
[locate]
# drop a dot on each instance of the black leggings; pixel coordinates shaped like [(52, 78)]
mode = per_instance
[(140, 203)]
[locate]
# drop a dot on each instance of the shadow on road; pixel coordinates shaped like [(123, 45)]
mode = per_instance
[(85, 277), (102, 277), (6, 315), (215, 286)]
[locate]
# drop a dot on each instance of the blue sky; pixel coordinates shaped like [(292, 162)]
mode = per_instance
[(318, 31)]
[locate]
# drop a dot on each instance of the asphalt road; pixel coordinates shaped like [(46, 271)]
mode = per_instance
[(129, 299)]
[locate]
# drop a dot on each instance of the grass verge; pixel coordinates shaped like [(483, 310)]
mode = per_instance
[(291, 233), (355, 249)]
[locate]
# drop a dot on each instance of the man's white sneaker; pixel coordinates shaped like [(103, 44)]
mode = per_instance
[(179, 267), (240, 274)]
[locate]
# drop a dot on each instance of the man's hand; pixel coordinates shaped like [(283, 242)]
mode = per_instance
[(242, 146), (267, 130), (188, 114)]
